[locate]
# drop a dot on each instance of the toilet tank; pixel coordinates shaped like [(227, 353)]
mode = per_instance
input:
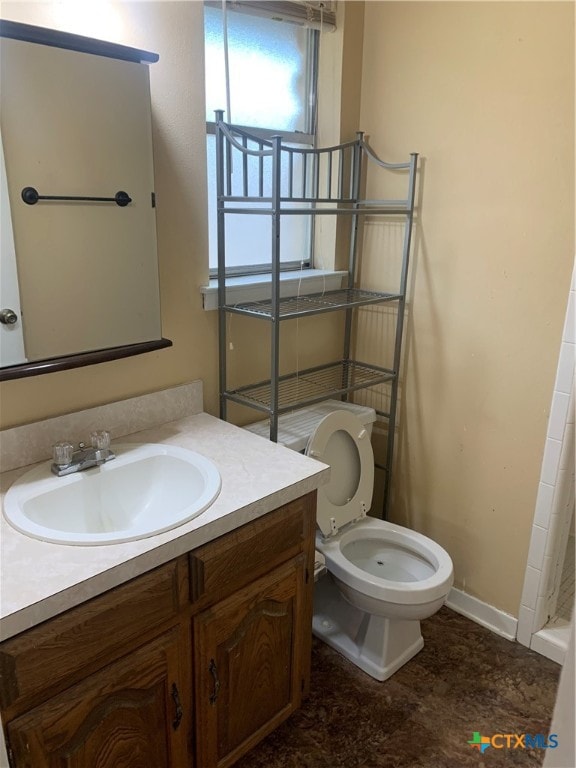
[(295, 428)]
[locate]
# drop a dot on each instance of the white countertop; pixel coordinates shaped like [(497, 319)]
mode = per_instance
[(38, 579)]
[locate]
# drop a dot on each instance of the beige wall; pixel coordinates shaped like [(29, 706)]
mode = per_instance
[(173, 30), (485, 92)]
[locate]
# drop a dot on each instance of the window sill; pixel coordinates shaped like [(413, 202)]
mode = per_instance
[(258, 288)]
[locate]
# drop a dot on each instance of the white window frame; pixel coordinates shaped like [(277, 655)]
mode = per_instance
[(307, 138)]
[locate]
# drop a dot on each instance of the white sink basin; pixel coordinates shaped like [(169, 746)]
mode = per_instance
[(145, 490)]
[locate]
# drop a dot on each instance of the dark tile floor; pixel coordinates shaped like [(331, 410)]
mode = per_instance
[(465, 680)]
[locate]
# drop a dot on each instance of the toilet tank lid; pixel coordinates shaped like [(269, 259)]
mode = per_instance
[(295, 428)]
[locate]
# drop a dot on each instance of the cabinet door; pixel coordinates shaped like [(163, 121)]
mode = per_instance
[(249, 667), (127, 715)]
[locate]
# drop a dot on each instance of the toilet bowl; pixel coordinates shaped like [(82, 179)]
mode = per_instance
[(382, 579)]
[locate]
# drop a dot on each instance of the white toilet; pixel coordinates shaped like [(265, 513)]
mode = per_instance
[(381, 579)]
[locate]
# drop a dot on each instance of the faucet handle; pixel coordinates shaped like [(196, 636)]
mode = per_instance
[(100, 440), (62, 453)]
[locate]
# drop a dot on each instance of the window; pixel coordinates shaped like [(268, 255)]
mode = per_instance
[(272, 89)]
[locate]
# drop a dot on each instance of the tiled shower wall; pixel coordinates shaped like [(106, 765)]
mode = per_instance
[(554, 491)]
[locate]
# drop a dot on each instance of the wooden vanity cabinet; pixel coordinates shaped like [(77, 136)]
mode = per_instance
[(126, 714), (187, 666), (103, 684), (252, 646)]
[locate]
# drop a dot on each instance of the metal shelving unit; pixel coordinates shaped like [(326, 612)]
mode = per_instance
[(260, 177)]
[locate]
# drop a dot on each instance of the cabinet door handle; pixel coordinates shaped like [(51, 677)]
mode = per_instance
[(216, 686), (178, 707)]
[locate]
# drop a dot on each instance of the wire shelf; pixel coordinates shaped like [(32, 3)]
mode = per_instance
[(313, 304), (275, 179), (312, 385)]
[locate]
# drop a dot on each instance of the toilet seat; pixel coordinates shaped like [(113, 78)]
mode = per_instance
[(343, 442), (427, 589)]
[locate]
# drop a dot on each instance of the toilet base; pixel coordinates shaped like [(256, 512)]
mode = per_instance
[(377, 645)]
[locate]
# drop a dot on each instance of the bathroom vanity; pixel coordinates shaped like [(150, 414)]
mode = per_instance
[(197, 656), (190, 664)]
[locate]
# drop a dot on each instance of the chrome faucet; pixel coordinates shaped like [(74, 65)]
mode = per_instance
[(66, 460)]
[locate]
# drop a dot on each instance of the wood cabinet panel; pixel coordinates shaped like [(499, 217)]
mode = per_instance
[(127, 714), (54, 654), (249, 668), (220, 567)]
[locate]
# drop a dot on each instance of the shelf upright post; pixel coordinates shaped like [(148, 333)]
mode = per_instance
[(221, 234), (275, 303), (355, 180), (399, 329)]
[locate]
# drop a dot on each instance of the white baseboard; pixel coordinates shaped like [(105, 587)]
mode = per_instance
[(488, 616)]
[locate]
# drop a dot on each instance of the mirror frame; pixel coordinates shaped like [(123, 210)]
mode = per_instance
[(50, 365)]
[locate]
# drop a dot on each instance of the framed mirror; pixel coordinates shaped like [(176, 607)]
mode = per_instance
[(79, 268)]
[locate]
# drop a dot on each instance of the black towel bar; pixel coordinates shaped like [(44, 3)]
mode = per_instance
[(31, 197)]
